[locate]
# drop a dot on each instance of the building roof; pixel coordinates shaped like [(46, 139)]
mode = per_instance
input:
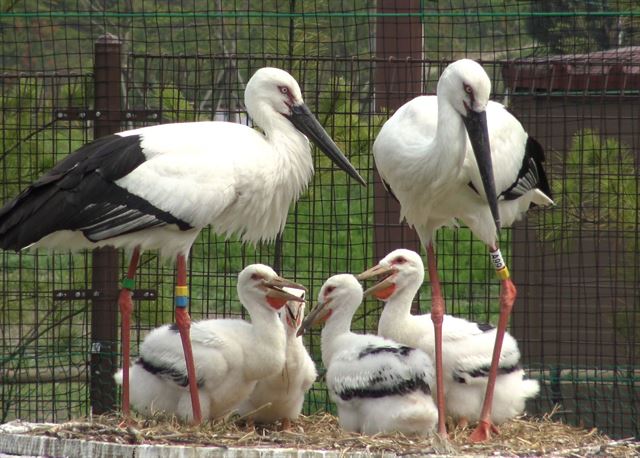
[(611, 70)]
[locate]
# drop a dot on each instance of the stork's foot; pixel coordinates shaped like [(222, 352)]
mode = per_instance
[(483, 431), (286, 424)]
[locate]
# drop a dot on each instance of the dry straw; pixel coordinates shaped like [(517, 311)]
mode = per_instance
[(519, 437)]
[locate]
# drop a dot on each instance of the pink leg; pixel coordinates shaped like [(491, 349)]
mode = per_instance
[(437, 315), (126, 307), (507, 298), (183, 320)]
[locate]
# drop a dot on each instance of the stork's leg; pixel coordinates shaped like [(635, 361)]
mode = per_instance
[(437, 315), (183, 321), (507, 298), (126, 307)]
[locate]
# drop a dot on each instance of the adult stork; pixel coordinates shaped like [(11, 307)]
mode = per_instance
[(157, 187), (458, 155)]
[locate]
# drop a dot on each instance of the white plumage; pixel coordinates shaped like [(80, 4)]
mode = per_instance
[(379, 386), (284, 391), (425, 157), (467, 346), (230, 355), (157, 187), (227, 175), (459, 156)]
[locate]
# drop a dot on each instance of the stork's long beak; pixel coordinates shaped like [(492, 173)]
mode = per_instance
[(319, 313), (305, 122), (278, 295), (375, 271), (476, 124)]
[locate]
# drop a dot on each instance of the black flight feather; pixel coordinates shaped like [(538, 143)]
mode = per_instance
[(79, 193)]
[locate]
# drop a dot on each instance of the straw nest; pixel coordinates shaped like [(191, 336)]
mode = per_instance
[(519, 437)]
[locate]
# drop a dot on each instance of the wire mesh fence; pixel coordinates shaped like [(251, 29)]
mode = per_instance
[(568, 70)]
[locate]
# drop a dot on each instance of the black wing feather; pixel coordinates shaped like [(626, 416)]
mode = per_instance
[(531, 174), (79, 193)]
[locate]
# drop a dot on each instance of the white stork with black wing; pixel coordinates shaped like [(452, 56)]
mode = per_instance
[(230, 355), (158, 187), (467, 346), (458, 156), (378, 385)]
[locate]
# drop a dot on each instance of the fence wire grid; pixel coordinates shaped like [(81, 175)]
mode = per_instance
[(568, 69)]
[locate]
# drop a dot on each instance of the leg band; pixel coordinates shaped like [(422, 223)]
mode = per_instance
[(128, 283), (498, 263)]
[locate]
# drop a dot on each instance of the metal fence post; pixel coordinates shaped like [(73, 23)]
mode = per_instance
[(398, 78), (105, 265)]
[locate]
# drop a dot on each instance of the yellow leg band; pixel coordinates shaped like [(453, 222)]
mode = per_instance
[(182, 290), (503, 274)]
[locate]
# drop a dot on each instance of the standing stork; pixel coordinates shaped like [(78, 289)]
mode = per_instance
[(157, 187), (458, 155)]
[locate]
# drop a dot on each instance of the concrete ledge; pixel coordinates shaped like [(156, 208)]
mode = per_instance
[(13, 441)]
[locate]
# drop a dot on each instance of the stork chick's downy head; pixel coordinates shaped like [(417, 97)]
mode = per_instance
[(272, 92), (293, 311), (339, 297), (259, 284), (466, 86), (399, 270)]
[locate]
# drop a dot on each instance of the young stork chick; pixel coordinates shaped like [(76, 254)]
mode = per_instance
[(378, 385), (230, 355), (284, 391), (467, 346)]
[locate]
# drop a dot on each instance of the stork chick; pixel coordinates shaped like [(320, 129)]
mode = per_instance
[(230, 355), (378, 385), (467, 346), (281, 396)]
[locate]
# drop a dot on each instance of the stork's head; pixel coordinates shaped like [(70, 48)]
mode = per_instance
[(274, 92), (466, 86), (399, 270), (259, 284), (293, 311), (340, 296)]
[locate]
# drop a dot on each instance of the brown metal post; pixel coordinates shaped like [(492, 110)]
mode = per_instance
[(105, 265), (398, 79)]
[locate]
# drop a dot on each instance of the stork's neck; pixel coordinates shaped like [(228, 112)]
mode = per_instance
[(269, 341), (451, 136), (294, 159), (336, 327), (397, 309)]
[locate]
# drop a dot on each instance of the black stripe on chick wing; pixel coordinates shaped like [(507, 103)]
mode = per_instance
[(483, 372), (369, 350), (380, 371), (167, 372), (384, 383), (485, 327)]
